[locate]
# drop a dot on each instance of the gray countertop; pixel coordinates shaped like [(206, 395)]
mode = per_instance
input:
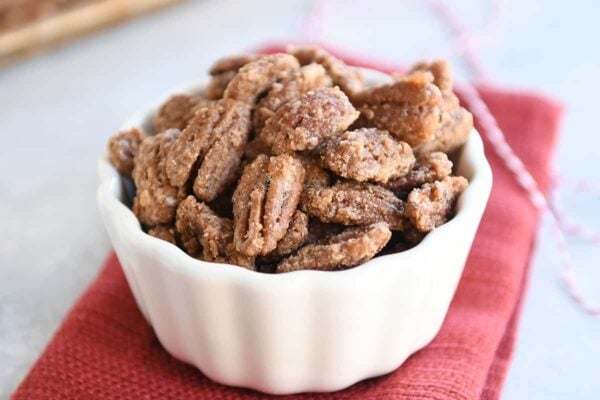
[(58, 109)]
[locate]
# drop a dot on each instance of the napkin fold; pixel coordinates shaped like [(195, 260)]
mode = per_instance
[(105, 349)]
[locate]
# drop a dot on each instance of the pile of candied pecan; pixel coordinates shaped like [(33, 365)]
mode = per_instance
[(288, 162)]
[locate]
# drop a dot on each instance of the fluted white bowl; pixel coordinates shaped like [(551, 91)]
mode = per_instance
[(304, 331)]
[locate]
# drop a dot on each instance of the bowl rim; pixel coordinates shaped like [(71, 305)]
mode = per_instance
[(478, 191)]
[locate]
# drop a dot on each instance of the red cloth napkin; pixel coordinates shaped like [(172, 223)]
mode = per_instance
[(105, 349)]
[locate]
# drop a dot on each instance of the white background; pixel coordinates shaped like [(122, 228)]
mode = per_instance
[(58, 109)]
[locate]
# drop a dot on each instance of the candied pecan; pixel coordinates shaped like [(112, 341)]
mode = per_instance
[(122, 148), (214, 140), (456, 125), (455, 122), (256, 77), (351, 247), (223, 71), (205, 235), (408, 108), (314, 174), (441, 71), (367, 154), (309, 77), (295, 236), (156, 199), (264, 201), (431, 205), (164, 232), (302, 123), (177, 112), (428, 168), (350, 80), (231, 63), (354, 203)]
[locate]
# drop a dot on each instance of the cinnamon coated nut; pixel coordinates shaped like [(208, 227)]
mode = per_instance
[(349, 248), (264, 202)]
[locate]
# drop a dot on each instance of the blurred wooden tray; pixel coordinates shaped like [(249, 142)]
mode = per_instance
[(71, 23)]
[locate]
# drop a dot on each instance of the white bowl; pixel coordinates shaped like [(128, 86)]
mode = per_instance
[(304, 331)]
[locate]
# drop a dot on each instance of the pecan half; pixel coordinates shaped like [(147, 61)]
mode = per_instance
[(214, 141), (455, 127), (122, 148), (350, 80), (367, 154), (409, 108), (351, 247), (303, 123), (309, 77), (205, 235), (222, 71), (456, 123), (354, 203), (428, 168), (314, 174), (295, 236), (441, 71), (264, 201), (156, 199), (431, 205), (256, 77), (177, 112)]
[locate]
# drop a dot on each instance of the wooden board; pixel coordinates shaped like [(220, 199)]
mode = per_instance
[(71, 23)]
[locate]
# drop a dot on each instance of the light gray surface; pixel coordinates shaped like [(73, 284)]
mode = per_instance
[(57, 110)]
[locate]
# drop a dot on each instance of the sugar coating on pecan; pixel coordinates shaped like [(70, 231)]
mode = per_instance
[(350, 80), (408, 108), (349, 248), (264, 201), (309, 77), (213, 142), (428, 168), (206, 235), (177, 112), (431, 205), (456, 123), (314, 174), (223, 71), (354, 203), (156, 199), (303, 123), (367, 154), (164, 232), (441, 71), (122, 148), (455, 127), (257, 77), (295, 236)]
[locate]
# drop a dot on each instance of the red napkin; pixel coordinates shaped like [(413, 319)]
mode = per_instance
[(105, 349)]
